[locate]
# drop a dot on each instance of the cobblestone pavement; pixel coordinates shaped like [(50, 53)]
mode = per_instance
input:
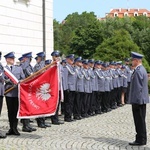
[(109, 131)]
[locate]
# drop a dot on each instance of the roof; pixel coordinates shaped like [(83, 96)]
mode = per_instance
[(132, 10)]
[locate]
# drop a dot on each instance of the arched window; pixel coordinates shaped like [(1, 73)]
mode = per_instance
[(115, 14), (125, 14), (135, 13), (145, 14)]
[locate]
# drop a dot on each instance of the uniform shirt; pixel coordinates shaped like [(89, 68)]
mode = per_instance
[(87, 87), (27, 68), (128, 73), (114, 78), (18, 73), (139, 86), (107, 81), (100, 80), (79, 79), (93, 82), (125, 79), (70, 78), (39, 66)]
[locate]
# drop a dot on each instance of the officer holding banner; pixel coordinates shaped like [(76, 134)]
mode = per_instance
[(12, 96)]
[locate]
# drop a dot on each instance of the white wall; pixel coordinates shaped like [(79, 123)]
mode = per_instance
[(21, 27)]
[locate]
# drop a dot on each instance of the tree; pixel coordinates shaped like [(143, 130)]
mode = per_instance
[(117, 48)]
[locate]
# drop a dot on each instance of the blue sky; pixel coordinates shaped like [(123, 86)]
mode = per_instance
[(62, 8)]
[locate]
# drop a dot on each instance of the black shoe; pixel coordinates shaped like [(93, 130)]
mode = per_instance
[(47, 125), (98, 112), (57, 122), (26, 129), (76, 117), (2, 136), (136, 144), (15, 132), (33, 129), (10, 132), (68, 120), (41, 125)]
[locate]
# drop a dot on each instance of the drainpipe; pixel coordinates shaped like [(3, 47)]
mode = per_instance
[(44, 27)]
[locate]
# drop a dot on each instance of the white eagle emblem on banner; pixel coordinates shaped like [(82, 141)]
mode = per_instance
[(43, 92)]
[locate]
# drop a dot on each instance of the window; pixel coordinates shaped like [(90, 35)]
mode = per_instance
[(125, 14), (135, 13), (145, 14), (27, 2), (115, 14)]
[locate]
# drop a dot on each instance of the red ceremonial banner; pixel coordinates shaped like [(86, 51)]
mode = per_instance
[(39, 96)]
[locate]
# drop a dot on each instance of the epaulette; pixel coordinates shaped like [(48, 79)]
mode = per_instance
[(138, 68)]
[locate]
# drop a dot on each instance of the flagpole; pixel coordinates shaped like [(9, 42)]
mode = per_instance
[(31, 76)]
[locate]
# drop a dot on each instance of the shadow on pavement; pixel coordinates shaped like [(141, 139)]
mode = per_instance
[(116, 142)]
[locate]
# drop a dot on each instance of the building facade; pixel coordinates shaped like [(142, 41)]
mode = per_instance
[(121, 12), (21, 26)]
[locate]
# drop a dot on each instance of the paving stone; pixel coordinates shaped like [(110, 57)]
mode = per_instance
[(108, 131)]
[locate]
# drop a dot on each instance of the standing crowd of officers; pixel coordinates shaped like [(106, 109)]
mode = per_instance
[(89, 87)]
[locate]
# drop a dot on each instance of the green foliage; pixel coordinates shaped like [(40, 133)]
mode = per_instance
[(110, 39)]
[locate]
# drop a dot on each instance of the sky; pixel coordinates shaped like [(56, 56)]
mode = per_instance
[(62, 8)]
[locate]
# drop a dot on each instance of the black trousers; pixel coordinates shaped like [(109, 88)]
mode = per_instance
[(85, 104), (69, 104), (98, 101), (127, 93), (113, 97), (12, 107), (78, 104), (105, 101), (1, 103), (55, 118), (139, 114)]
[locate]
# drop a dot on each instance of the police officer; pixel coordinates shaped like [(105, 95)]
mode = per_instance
[(12, 96), (124, 86), (107, 89), (40, 59), (79, 88), (56, 57), (120, 80), (28, 70), (129, 73), (100, 87), (115, 85), (48, 61), (1, 90), (93, 85), (20, 60), (138, 98), (70, 87), (87, 90)]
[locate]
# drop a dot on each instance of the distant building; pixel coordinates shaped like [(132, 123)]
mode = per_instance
[(121, 12), (21, 26)]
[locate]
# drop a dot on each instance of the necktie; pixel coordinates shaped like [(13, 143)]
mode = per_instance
[(11, 68)]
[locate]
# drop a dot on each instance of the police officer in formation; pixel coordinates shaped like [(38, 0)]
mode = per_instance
[(40, 59), (56, 58), (93, 87), (28, 70)]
